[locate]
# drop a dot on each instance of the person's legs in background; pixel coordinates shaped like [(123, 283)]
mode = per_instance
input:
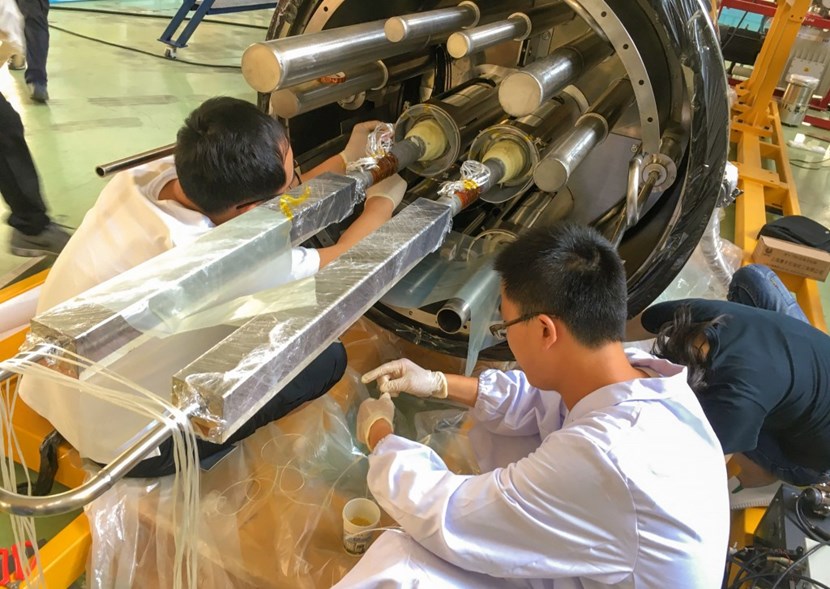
[(34, 234), (36, 15), (758, 286)]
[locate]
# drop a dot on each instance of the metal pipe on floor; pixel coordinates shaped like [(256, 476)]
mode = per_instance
[(524, 91), (592, 128), (134, 160)]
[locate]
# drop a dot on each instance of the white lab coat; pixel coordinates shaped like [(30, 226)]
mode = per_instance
[(127, 225), (628, 491)]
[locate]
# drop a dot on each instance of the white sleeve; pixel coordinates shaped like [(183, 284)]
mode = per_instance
[(564, 511), (509, 406), (305, 262)]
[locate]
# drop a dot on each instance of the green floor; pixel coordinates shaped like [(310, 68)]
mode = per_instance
[(108, 103)]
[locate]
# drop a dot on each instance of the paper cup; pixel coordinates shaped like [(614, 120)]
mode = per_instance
[(360, 518)]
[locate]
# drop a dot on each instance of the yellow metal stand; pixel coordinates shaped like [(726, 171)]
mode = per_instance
[(761, 154), (63, 558)]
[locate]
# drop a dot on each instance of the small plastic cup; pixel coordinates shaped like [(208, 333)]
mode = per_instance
[(360, 518)]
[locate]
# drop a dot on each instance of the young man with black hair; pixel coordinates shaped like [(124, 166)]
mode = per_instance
[(229, 158), (627, 487)]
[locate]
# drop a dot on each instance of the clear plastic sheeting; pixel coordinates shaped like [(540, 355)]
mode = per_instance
[(378, 145), (238, 376), (248, 254), (474, 175), (270, 511), (708, 272)]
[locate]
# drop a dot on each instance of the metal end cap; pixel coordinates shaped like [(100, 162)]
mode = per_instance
[(261, 68), (550, 175), (395, 29), (520, 94), (458, 45)]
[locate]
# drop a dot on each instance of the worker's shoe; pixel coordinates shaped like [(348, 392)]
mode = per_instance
[(17, 62), (48, 242), (744, 498), (38, 92)]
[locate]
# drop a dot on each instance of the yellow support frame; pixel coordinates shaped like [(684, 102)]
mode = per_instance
[(761, 154), (63, 558)]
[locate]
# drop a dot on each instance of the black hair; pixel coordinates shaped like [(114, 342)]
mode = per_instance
[(229, 153), (679, 341), (571, 272)]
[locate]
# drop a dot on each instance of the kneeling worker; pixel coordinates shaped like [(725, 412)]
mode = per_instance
[(628, 486), (229, 157)]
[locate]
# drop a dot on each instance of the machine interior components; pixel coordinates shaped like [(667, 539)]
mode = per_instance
[(616, 110)]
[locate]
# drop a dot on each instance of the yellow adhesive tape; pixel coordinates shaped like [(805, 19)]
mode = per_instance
[(287, 201)]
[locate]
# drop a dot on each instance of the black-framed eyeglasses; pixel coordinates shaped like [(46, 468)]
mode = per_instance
[(295, 181), (499, 330)]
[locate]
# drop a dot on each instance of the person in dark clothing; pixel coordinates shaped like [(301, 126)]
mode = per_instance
[(36, 29), (761, 373), (33, 232)]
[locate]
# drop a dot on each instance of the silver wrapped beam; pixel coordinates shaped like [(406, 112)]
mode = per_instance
[(239, 375), (110, 315)]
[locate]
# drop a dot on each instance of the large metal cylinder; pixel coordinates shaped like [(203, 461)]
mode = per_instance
[(554, 171), (432, 24), (524, 91)]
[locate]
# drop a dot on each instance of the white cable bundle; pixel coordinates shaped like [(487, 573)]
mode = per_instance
[(133, 398)]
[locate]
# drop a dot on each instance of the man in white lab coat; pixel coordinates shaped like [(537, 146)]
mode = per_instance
[(628, 486), (229, 157)]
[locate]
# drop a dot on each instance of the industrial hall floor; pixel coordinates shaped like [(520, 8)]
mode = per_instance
[(109, 102)]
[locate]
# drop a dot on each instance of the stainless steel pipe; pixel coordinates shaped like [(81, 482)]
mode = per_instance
[(516, 27), (433, 23), (592, 128), (296, 100), (524, 91), (456, 312), (271, 65), (134, 160)]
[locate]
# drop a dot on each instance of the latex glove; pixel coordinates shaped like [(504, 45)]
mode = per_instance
[(356, 147), (370, 412), (393, 188), (404, 376)]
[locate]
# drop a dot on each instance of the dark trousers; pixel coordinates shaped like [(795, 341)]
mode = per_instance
[(36, 15), (19, 183), (322, 374)]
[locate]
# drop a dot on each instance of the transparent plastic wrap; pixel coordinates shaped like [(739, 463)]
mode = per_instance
[(239, 375), (270, 511), (378, 145), (248, 254), (688, 33), (474, 176), (709, 271)]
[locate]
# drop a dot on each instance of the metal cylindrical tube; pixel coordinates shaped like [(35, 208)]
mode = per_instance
[(456, 311), (497, 171), (271, 65), (515, 28), (432, 23), (296, 100), (524, 91), (554, 171), (134, 160), (635, 168)]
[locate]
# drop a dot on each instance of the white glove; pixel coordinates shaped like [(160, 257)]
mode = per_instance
[(404, 376), (393, 188), (356, 147), (372, 411)]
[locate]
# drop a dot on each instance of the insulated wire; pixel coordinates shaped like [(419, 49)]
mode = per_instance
[(151, 15)]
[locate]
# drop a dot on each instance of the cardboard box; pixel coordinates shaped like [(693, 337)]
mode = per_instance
[(789, 257)]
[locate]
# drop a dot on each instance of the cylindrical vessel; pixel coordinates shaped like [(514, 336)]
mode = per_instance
[(524, 91), (463, 43), (456, 311), (296, 100), (433, 23), (796, 99), (554, 171), (517, 27), (135, 160), (285, 62)]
